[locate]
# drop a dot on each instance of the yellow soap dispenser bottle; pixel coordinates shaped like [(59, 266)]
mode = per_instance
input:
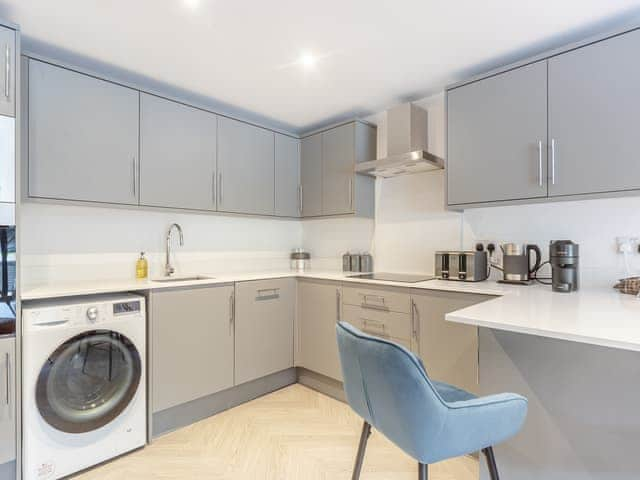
[(142, 267)]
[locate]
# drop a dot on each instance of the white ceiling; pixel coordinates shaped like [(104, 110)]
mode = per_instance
[(241, 54)]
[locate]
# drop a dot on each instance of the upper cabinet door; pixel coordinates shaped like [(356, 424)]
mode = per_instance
[(177, 155), (496, 137), (287, 165), (245, 168), (594, 114), (8, 72), (338, 163), (311, 175), (83, 137)]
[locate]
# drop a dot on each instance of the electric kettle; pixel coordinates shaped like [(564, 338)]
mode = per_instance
[(516, 262)]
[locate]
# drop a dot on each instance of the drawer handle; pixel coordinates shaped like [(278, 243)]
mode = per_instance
[(268, 294), (374, 307), (373, 323)]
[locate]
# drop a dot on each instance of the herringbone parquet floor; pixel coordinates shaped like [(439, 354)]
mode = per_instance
[(292, 434)]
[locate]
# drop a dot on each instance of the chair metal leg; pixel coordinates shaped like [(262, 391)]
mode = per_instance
[(364, 436), (491, 463), (423, 471)]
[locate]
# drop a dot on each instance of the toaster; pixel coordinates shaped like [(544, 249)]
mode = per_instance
[(466, 266)]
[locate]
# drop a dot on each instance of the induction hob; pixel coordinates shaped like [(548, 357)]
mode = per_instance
[(394, 277)]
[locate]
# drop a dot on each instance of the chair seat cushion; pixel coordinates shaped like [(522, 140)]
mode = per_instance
[(450, 394)]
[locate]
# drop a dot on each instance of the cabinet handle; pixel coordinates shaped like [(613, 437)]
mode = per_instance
[(133, 171), (213, 187), (300, 199), (268, 294), (540, 163), (414, 323), (338, 300), (7, 71), (220, 187), (553, 161), (351, 193), (8, 366), (232, 311)]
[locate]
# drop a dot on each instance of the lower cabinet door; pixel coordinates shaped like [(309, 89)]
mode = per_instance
[(192, 344), (449, 350), (7, 401), (265, 312), (319, 308)]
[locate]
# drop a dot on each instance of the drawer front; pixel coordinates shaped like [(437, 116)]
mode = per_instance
[(377, 299), (384, 324)]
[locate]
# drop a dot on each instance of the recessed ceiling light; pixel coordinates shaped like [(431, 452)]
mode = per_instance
[(308, 60), (192, 3)]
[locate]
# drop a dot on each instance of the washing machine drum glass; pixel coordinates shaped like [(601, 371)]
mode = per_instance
[(88, 381)]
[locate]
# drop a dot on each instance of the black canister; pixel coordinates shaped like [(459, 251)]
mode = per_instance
[(564, 258)]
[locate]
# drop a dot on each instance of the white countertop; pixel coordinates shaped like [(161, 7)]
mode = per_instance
[(595, 316)]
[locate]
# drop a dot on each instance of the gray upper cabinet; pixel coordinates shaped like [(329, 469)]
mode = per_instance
[(338, 162), (311, 175), (192, 344), (288, 201), (265, 312), (246, 168), (8, 72), (177, 155), (83, 137), (496, 137), (594, 113), (329, 184)]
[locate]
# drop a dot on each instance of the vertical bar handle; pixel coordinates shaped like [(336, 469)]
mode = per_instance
[(133, 171), (7, 364), (300, 199), (540, 163), (232, 311), (220, 187), (213, 187), (7, 71), (351, 193), (338, 301), (414, 329), (553, 161)]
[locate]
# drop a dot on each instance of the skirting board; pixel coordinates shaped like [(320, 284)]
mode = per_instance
[(328, 386), (8, 471), (191, 412)]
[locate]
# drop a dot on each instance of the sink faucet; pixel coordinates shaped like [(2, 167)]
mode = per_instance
[(168, 268)]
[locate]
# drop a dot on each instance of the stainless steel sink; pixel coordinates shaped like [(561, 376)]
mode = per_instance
[(182, 279)]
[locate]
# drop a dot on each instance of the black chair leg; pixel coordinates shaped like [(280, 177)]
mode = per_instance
[(423, 471), (364, 436), (491, 463)]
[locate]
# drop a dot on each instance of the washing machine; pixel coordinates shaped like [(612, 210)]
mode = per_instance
[(84, 383)]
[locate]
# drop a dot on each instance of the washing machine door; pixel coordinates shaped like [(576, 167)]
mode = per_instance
[(88, 381)]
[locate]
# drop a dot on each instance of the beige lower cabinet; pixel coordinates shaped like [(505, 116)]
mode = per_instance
[(449, 350), (192, 343), (265, 312), (7, 400), (319, 308)]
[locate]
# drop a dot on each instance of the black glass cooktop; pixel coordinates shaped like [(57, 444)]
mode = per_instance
[(394, 277)]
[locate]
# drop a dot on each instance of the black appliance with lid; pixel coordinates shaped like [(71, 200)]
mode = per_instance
[(564, 258)]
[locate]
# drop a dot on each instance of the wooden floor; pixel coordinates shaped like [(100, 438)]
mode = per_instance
[(294, 433)]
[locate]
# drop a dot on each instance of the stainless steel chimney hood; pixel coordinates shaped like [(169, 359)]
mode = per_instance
[(406, 145)]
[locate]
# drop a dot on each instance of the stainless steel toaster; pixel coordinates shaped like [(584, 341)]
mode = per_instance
[(466, 266)]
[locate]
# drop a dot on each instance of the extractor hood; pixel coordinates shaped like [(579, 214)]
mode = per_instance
[(406, 145)]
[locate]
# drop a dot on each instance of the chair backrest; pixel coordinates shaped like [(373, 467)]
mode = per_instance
[(388, 387)]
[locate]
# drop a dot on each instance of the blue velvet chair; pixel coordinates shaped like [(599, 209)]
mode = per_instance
[(389, 388)]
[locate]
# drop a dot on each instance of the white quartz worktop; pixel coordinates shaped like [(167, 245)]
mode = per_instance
[(66, 289), (600, 316), (595, 316)]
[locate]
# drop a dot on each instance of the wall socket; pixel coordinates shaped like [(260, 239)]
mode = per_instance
[(627, 244)]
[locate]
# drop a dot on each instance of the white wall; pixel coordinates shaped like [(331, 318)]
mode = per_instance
[(69, 242)]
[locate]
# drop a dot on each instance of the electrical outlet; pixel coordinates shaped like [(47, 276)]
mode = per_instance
[(627, 244)]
